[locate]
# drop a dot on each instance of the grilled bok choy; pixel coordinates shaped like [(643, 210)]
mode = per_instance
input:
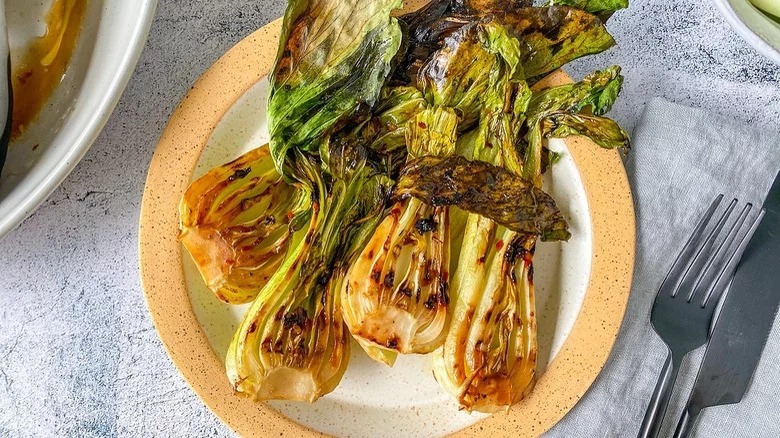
[(395, 297), (235, 223), (333, 59), (292, 343), (400, 198), (488, 359)]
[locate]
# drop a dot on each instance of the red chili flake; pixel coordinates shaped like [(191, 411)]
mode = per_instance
[(422, 125), (499, 245), (389, 279), (23, 76), (239, 173)]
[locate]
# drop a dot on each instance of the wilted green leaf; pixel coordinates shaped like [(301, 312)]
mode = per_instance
[(476, 63), (555, 36), (332, 64), (550, 37), (596, 92)]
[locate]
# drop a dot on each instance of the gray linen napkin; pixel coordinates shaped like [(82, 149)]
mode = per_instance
[(681, 159)]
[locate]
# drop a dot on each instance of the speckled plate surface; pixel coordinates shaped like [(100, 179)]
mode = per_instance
[(582, 285)]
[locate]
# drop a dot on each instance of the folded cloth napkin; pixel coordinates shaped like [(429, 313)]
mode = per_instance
[(680, 160)]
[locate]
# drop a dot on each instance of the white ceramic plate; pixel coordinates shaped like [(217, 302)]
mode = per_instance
[(411, 399), (113, 36), (753, 26)]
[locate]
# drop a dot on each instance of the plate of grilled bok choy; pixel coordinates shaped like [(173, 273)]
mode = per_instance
[(372, 218)]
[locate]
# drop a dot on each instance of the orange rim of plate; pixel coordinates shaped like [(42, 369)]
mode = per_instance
[(558, 389)]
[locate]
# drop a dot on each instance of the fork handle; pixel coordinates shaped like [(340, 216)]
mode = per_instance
[(654, 417)]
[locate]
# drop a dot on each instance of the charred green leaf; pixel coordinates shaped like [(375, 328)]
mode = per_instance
[(550, 37), (549, 108), (486, 190), (476, 61), (556, 35), (603, 131)]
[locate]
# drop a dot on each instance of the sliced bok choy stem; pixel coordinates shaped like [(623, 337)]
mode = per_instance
[(396, 295), (292, 343), (236, 224)]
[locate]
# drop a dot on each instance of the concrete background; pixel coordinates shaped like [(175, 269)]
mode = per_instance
[(78, 353)]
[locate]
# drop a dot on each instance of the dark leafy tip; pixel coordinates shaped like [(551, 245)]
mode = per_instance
[(593, 6), (476, 62), (484, 189), (597, 93), (427, 28), (487, 6), (555, 36), (603, 131)]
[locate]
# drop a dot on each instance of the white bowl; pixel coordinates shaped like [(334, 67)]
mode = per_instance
[(113, 36), (753, 26)]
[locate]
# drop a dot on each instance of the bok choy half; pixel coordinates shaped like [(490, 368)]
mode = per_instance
[(400, 197), (396, 294), (333, 60)]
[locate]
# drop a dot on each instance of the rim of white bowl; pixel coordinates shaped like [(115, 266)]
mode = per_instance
[(111, 94), (753, 38)]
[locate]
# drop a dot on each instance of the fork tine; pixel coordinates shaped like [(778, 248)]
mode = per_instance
[(685, 257), (704, 250), (721, 283), (719, 257)]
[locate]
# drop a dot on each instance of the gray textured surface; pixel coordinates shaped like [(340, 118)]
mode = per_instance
[(78, 353)]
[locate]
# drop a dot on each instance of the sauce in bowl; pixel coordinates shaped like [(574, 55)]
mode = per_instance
[(43, 65)]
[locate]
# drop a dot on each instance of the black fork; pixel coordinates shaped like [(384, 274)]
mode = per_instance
[(686, 301)]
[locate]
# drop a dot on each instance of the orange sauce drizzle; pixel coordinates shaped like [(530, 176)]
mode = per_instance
[(43, 66)]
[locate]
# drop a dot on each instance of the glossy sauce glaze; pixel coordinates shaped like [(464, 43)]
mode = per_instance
[(43, 65)]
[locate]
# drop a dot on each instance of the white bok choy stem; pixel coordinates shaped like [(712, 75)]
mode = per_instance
[(395, 297)]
